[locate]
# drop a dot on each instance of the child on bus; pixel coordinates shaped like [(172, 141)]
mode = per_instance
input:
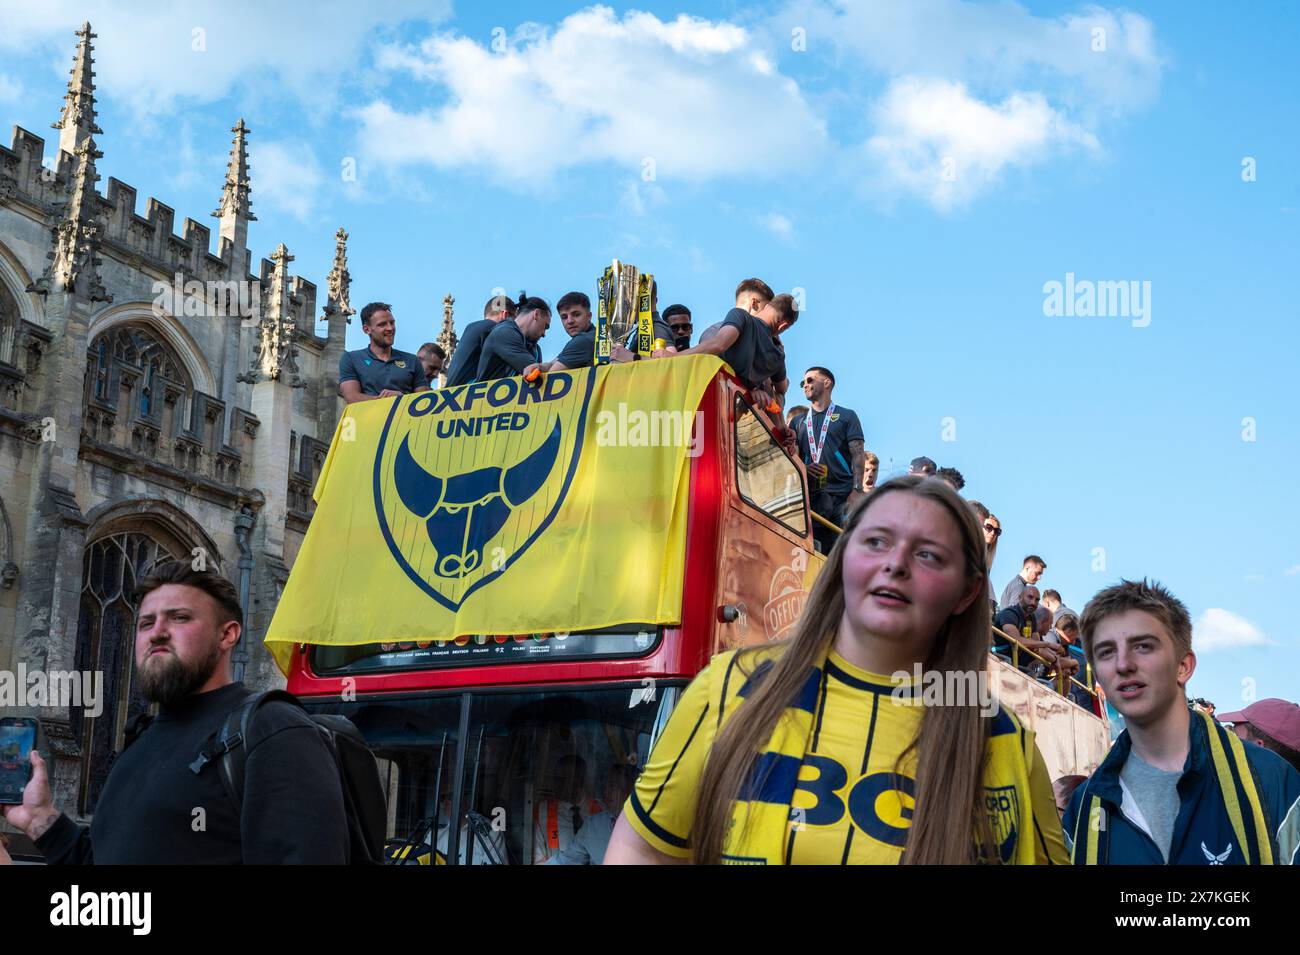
[(854, 765)]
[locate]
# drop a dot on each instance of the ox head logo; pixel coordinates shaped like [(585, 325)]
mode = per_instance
[(462, 512), (465, 480)]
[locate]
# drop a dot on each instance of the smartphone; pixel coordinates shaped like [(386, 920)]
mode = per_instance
[(17, 740)]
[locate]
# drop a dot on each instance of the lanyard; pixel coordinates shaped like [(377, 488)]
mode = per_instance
[(815, 448)]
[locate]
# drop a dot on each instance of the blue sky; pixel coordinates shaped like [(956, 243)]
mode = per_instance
[(919, 170)]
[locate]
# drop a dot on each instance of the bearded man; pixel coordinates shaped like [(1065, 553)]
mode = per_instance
[(163, 803)]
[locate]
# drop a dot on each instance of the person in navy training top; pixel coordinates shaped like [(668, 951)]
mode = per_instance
[(831, 446), (379, 370), (464, 363)]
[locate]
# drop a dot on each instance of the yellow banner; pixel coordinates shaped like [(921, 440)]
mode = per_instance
[(501, 507)]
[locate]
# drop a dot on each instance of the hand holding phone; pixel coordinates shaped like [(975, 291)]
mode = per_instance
[(33, 810), (17, 740)]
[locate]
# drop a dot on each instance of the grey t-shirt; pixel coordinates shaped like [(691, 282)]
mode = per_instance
[(1156, 793), (506, 353), (580, 351), (1011, 593)]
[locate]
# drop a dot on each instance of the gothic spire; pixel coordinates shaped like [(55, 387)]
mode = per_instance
[(447, 337), (277, 349), (77, 122), (235, 208), (77, 233), (339, 281)]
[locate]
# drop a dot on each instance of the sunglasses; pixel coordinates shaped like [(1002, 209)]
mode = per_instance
[(997, 531), (808, 381), (683, 327)]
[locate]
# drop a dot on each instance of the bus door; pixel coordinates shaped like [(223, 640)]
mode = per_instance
[(416, 742), (547, 770), (767, 560)]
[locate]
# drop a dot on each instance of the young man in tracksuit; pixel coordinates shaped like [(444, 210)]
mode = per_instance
[(1176, 788)]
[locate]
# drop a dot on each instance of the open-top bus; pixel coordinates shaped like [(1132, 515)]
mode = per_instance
[(520, 737)]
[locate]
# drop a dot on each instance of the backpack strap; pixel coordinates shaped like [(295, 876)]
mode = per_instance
[(228, 743)]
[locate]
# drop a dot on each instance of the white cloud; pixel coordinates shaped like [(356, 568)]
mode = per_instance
[(779, 225), (1219, 629), (936, 141), (987, 86), (1292, 571), (999, 46), (286, 177), (597, 89), (153, 55)]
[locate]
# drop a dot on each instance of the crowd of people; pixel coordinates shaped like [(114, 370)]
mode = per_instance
[(842, 773), (913, 585), (507, 342)]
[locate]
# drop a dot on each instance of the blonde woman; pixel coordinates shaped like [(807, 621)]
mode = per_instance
[(834, 760)]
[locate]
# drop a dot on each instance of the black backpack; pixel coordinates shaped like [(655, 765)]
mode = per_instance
[(363, 790)]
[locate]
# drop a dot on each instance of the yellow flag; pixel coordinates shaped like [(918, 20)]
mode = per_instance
[(501, 507)]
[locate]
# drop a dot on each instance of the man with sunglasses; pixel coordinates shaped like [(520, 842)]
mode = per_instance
[(830, 444), (678, 318)]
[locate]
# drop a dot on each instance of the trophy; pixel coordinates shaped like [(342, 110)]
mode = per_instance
[(623, 303)]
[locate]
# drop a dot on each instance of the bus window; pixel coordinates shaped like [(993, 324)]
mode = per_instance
[(414, 741), (544, 772), (554, 768), (765, 475)]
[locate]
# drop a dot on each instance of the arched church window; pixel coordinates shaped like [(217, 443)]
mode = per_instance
[(114, 565), (101, 370), (8, 326), (147, 361)]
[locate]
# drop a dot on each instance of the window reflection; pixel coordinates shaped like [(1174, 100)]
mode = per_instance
[(765, 475)]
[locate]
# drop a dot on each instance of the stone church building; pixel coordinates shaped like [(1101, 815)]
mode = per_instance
[(158, 399)]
